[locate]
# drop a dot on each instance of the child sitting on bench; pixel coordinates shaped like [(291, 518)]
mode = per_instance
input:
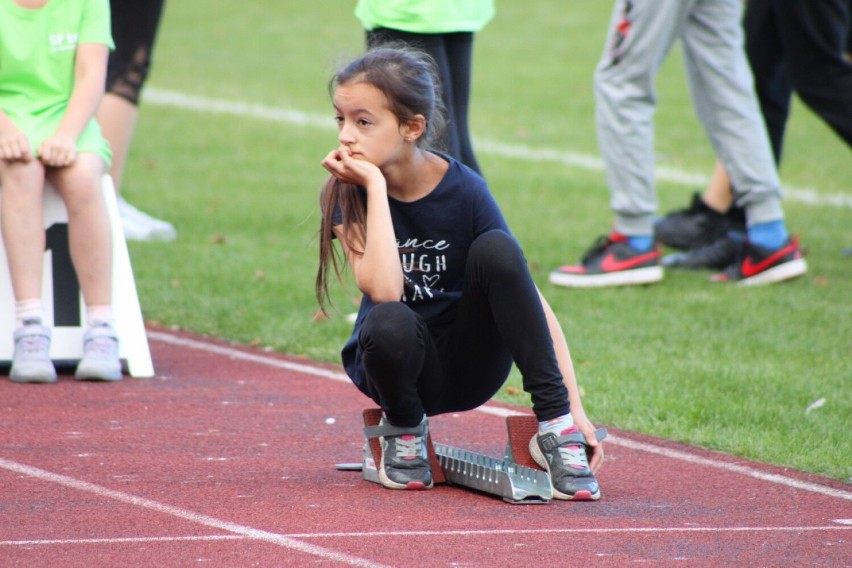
[(54, 57)]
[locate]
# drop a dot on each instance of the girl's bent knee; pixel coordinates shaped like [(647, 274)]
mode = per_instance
[(392, 332), (497, 250), (494, 242), (389, 321)]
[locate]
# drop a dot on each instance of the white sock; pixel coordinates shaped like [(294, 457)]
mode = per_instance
[(556, 425), (99, 314), (28, 311)]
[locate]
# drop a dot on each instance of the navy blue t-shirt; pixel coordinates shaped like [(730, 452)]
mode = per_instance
[(433, 237)]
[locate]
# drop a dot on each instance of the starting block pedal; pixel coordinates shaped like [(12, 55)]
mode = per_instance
[(521, 430), (373, 452)]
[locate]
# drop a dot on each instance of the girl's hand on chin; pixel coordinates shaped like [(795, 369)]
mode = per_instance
[(348, 169)]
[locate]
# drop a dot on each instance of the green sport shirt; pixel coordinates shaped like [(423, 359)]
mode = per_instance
[(425, 16), (37, 55)]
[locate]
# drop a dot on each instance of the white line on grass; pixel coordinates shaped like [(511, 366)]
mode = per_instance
[(503, 412), (808, 195), (198, 518)]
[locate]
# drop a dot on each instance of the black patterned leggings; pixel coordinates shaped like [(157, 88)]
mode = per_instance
[(134, 28)]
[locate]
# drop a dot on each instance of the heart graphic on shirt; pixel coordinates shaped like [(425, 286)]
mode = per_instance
[(430, 281)]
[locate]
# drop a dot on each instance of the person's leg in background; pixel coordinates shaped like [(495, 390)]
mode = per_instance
[(640, 37), (790, 45), (452, 55), (723, 95), (849, 36), (134, 29), (814, 36), (702, 229), (459, 50)]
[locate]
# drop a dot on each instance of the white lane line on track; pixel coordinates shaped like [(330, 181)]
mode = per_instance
[(502, 412), (212, 522), (806, 195), (601, 530), (441, 533), (120, 540)]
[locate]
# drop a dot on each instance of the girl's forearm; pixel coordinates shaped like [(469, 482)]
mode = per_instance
[(380, 272), (563, 358)]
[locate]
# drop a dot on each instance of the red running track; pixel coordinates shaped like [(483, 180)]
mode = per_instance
[(226, 458)]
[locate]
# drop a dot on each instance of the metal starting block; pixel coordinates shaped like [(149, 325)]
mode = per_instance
[(509, 478), (513, 482)]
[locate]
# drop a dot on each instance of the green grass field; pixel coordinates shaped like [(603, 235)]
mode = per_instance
[(714, 365)]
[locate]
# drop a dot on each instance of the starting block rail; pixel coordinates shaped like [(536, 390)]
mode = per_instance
[(515, 483)]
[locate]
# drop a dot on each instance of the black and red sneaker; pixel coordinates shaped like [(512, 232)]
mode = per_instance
[(758, 265), (611, 262)]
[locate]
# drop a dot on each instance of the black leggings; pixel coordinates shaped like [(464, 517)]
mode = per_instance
[(134, 28), (796, 45), (413, 367), (452, 52)]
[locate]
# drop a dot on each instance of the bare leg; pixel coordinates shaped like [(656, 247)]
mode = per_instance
[(89, 235), (117, 118), (23, 226), (718, 194)]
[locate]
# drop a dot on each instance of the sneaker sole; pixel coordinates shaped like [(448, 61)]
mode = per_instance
[(539, 458), (98, 375), (649, 275), (43, 378), (411, 485), (780, 273)]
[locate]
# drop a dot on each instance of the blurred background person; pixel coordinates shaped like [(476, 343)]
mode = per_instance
[(134, 29), (444, 29)]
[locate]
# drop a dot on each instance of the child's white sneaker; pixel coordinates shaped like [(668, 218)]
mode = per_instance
[(100, 355), (31, 362), (139, 226)]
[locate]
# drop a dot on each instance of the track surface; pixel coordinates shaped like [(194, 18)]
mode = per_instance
[(226, 458)]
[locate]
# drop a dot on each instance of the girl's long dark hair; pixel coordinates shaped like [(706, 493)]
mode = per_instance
[(409, 81)]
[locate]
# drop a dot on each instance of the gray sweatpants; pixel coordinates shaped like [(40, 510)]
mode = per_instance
[(640, 37)]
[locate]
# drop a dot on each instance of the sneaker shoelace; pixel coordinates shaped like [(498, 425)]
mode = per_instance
[(100, 345), (598, 246), (573, 456), (33, 344), (409, 446)]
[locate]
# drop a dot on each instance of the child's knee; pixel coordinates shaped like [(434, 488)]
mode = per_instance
[(87, 167), (493, 241), (497, 249), (389, 324), (81, 181), (27, 177)]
